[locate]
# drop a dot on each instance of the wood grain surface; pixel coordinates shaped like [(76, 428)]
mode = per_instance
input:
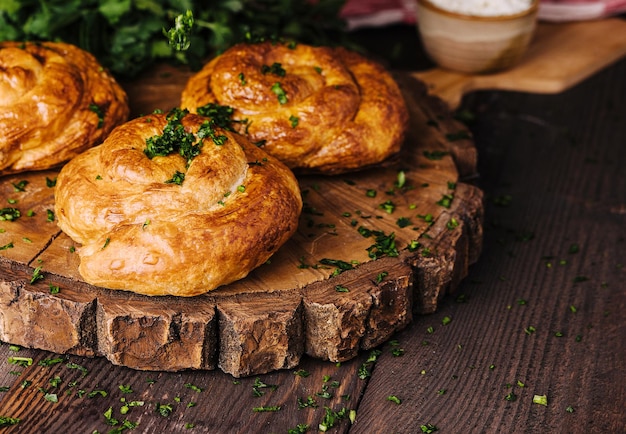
[(286, 308)]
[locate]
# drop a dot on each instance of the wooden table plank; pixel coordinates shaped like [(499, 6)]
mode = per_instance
[(561, 162)]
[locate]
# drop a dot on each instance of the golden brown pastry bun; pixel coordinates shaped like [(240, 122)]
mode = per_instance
[(145, 229), (317, 109), (55, 102)]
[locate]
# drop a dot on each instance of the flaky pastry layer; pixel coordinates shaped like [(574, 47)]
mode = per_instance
[(142, 232), (56, 101), (317, 109)]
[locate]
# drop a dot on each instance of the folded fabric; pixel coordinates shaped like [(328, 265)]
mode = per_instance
[(577, 10), (374, 13)]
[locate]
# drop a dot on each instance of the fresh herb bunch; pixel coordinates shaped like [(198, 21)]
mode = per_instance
[(127, 36)]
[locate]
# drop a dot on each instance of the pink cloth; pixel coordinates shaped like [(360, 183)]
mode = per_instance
[(372, 13)]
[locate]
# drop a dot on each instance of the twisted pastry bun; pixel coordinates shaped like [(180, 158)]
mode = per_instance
[(174, 205), (317, 109), (55, 102)]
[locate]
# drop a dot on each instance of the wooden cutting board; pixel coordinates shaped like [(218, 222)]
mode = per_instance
[(559, 56), (320, 295)]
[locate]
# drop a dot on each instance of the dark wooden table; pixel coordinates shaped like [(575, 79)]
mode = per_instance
[(540, 315)]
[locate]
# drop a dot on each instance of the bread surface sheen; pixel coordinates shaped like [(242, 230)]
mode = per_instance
[(329, 110), (56, 101), (138, 232)]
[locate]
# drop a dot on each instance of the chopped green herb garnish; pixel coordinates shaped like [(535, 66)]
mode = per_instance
[(266, 409), (82, 369), (302, 373), (99, 112), (125, 388), (452, 223), (540, 399), (380, 276), (20, 186), (364, 370), (37, 275), (388, 206), (446, 200), (50, 362), (280, 93), (51, 397), (341, 288), (394, 399), (177, 178), (178, 37), (8, 421), (51, 182), (20, 361), (9, 214), (331, 418), (164, 409), (7, 246), (301, 428), (192, 387), (294, 121), (403, 222), (221, 115), (429, 428), (275, 69), (510, 397)]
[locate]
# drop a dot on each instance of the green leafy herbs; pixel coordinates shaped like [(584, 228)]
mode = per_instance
[(99, 112), (428, 428), (8, 421), (37, 275), (20, 186), (340, 265), (280, 93), (331, 418), (365, 370), (222, 115), (207, 129), (179, 35), (20, 361), (127, 37), (177, 178), (176, 139), (173, 139), (275, 69), (384, 245), (9, 214)]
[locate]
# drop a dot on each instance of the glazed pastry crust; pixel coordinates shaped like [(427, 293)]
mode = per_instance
[(234, 209), (56, 101), (349, 111)]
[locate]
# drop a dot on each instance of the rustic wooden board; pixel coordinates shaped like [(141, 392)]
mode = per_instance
[(559, 57), (288, 307)]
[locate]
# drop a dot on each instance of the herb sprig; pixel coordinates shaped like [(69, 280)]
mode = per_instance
[(128, 37)]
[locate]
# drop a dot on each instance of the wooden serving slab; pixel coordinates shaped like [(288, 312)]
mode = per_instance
[(559, 56), (321, 294)]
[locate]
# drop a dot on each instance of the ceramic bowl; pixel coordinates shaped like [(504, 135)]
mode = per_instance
[(475, 44)]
